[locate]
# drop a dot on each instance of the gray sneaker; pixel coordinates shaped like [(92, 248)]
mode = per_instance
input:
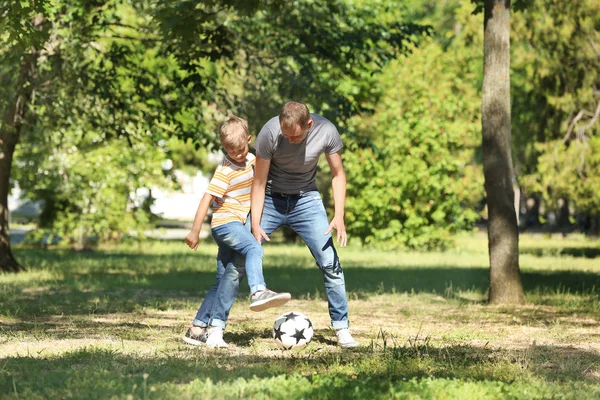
[(264, 299), (195, 339)]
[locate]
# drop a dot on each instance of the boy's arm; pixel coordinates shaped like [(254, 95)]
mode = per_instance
[(261, 172), (193, 238), (338, 184)]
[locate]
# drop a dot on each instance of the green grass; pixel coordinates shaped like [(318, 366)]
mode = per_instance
[(108, 324)]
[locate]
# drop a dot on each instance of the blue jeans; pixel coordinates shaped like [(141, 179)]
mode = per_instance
[(234, 240), (306, 215), (237, 237)]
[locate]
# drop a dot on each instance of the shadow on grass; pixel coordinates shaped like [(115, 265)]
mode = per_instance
[(98, 283), (580, 252), (366, 373), (247, 336)]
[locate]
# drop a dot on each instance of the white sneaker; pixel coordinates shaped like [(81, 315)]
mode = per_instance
[(345, 338), (214, 338)]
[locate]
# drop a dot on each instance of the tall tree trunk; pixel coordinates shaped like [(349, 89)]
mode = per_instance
[(9, 136), (503, 232), (8, 141)]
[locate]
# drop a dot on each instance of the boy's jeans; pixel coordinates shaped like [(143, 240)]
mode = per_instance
[(237, 237), (306, 215), (235, 242)]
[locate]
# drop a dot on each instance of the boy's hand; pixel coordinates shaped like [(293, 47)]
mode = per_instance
[(192, 240), (259, 234)]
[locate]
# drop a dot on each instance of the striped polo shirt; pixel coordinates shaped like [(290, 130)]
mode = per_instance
[(231, 186)]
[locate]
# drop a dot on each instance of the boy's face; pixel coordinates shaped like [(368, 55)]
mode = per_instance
[(238, 154)]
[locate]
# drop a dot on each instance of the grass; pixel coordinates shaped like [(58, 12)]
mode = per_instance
[(108, 324)]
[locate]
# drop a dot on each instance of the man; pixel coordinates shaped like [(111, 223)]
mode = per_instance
[(284, 192)]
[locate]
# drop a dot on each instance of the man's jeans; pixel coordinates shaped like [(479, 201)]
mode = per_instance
[(235, 242), (306, 215)]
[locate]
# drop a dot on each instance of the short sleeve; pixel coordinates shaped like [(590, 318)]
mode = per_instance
[(265, 142), (219, 183), (334, 142)]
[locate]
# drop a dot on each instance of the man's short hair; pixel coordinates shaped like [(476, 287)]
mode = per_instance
[(294, 112), (233, 132)]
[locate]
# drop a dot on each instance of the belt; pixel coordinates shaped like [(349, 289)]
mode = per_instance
[(285, 194)]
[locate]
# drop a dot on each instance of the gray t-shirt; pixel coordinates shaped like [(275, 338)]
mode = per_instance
[(294, 166)]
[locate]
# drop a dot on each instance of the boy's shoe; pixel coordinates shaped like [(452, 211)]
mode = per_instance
[(264, 299), (214, 338), (345, 338), (198, 338)]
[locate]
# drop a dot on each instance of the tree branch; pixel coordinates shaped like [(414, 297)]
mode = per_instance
[(592, 120), (123, 37)]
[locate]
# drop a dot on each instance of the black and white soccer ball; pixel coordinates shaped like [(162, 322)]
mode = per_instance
[(292, 330)]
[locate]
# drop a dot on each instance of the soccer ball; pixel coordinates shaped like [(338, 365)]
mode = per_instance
[(292, 330)]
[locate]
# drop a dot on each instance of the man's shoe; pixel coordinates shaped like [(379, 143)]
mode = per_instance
[(214, 338), (345, 339), (264, 299), (197, 336)]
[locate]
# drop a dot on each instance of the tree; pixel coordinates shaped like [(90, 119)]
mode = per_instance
[(72, 91), (556, 95), (147, 71), (503, 233), (419, 183), (14, 107), (10, 129)]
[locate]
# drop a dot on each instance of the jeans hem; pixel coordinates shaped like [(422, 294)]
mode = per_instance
[(340, 325), (218, 323), (197, 322), (257, 288)]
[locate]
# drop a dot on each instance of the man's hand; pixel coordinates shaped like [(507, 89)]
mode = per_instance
[(259, 234), (192, 239), (338, 224)]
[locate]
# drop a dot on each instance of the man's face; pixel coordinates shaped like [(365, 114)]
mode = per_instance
[(295, 133)]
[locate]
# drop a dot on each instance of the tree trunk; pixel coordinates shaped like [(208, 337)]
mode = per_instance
[(503, 233), (8, 141), (9, 136)]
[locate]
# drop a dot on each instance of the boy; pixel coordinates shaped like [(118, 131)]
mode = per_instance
[(229, 194)]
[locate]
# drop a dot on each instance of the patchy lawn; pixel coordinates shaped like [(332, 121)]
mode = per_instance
[(108, 324)]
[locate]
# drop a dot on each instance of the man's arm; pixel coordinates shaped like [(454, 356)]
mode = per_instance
[(261, 173), (193, 238), (338, 184)]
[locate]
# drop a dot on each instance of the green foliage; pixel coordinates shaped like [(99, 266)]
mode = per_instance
[(186, 158), (89, 187), (516, 5), (419, 182), (568, 172), (104, 98), (323, 53), (556, 64), (155, 78), (326, 54), (111, 72)]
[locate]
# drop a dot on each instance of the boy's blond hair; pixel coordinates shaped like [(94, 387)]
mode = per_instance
[(294, 112), (233, 132)]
